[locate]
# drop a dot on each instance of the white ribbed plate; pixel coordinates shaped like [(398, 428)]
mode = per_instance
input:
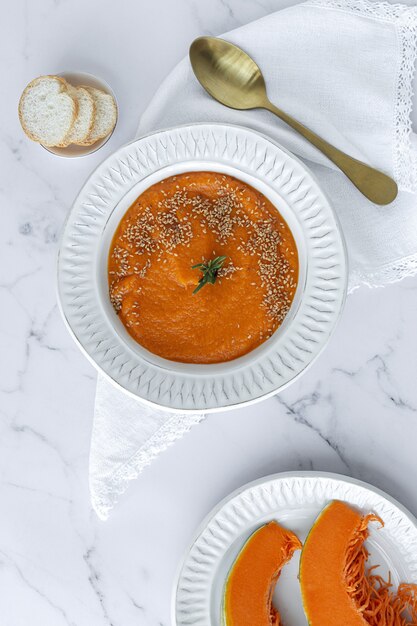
[(82, 275), (294, 500)]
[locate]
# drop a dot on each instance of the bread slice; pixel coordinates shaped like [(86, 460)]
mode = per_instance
[(47, 111), (84, 121), (105, 117)]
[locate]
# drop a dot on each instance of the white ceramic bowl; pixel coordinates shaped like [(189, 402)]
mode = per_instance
[(112, 188)]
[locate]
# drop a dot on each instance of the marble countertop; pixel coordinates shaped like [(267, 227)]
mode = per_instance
[(354, 412)]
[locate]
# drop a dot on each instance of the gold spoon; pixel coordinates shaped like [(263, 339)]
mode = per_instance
[(230, 76)]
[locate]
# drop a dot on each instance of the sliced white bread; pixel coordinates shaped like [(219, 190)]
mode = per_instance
[(84, 121), (105, 116), (47, 111)]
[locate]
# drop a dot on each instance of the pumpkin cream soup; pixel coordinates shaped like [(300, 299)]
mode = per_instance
[(202, 268)]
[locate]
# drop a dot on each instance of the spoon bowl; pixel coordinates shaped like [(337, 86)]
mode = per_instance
[(227, 73)]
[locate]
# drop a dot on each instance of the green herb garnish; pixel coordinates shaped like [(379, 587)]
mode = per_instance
[(210, 270)]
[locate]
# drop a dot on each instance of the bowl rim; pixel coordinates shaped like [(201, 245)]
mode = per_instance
[(187, 129)]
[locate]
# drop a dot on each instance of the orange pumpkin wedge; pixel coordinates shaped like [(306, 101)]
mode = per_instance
[(336, 586), (249, 587)]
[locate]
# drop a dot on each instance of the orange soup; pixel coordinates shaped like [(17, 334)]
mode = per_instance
[(194, 219)]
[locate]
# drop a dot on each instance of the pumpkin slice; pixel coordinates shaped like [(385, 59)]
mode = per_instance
[(252, 578), (336, 587)]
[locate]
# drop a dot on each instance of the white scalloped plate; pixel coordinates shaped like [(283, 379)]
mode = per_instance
[(82, 267), (294, 500)]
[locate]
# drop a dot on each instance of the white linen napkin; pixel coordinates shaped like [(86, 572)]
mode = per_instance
[(344, 68), (127, 436)]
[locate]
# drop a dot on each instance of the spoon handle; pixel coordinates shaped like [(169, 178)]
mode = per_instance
[(375, 185)]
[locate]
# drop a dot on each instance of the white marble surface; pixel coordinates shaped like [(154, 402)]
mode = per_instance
[(354, 412)]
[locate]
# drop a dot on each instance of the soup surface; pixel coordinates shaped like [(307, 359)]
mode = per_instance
[(190, 219)]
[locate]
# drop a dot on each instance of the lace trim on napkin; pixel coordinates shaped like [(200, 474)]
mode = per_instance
[(105, 496), (405, 20), (391, 273)]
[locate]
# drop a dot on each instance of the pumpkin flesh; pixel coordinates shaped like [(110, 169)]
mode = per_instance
[(336, 587), (251, 581), (323, 585)]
